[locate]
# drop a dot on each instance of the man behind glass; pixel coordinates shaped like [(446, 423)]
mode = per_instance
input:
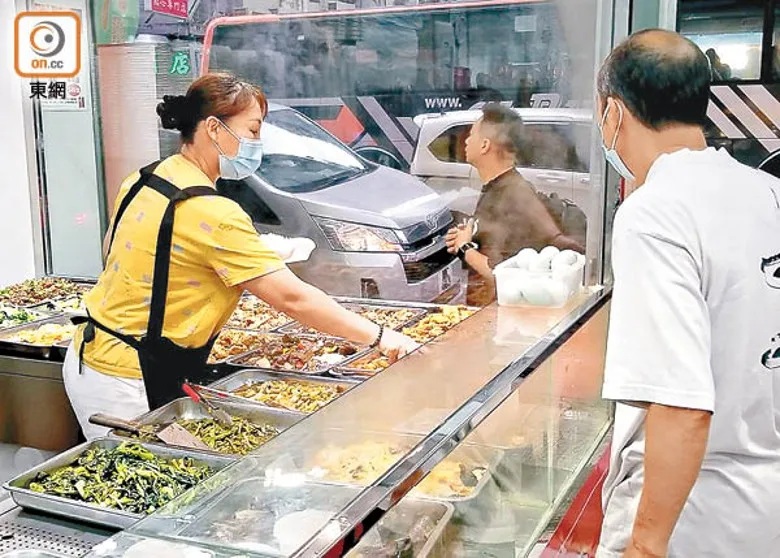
[(510, 215)]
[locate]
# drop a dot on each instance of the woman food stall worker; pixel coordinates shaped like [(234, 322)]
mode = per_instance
[(179, 256)]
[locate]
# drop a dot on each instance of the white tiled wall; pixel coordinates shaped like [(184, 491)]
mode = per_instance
[(16, 239)]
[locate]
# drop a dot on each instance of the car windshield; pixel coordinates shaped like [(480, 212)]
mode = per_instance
[(298, 156)]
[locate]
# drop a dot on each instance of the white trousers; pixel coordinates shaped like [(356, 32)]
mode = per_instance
[(93, 392)]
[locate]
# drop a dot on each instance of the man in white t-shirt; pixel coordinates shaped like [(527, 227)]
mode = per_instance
[(693, 356)]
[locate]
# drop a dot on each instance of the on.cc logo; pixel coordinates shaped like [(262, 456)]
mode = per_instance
[(47, 39), (47, 44)]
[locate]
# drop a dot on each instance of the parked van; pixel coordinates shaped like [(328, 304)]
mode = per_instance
[(379, 232), (555, 159)]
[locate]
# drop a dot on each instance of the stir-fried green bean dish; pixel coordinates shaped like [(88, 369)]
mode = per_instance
[(239, 438), (128, 477)]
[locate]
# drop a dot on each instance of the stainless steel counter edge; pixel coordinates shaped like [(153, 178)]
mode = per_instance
[(369, 507), (31, 368)]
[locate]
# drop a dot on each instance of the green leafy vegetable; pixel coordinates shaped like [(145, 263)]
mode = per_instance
[(10, 316), (129, 477), (239, 438)]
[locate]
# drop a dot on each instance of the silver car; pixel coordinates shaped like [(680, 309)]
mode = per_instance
[(379, 232), (558, 162)]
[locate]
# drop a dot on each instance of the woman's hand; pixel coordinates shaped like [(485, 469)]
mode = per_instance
[(310, 306), (396, 345)]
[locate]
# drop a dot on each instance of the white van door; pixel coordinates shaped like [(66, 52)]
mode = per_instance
[(440, 161), (549, 159)]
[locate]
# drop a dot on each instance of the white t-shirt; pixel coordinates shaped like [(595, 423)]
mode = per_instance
[(695, 323)]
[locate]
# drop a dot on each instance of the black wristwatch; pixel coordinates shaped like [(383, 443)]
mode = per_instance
[(465, 248)]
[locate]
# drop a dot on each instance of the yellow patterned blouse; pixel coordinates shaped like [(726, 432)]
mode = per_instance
[(215, 249)]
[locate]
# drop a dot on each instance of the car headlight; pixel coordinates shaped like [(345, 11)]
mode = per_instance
[(350, 237)]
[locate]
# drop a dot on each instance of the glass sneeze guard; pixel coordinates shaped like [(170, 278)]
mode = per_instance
[(307, 490)]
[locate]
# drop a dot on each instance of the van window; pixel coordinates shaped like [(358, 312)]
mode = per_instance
[(547, 146), (450, 145), (299, 156), (552, 147)]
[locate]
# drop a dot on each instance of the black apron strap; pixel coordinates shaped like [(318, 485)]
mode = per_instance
[(88, 335), (145, 173), (164, 364), (162, 256)]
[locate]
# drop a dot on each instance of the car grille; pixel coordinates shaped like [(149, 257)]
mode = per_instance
[(426, 228), (422, 269)]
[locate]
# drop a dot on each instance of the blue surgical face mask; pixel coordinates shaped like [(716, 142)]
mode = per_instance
[(610, 153), (246, 160)]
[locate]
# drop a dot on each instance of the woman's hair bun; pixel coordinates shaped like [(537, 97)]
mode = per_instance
[(173, 112)]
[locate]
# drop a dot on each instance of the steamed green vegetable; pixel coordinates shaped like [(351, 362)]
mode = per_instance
[(239, 438), (128, 477)]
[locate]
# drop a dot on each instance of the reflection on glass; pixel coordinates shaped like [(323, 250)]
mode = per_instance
[(357, 72), (300, 157), (533, 447), (729, 33)]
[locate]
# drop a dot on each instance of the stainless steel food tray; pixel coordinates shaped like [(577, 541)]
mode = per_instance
[(262, 329), (433, 309), (92, 513), (298, 328), (254, 494), (82, 285), (226, 386), (353, 371), (7, 346), (237, 361), (185, 408), (40, 316), (431, 508), (48, 306), (471, 455), (253, 332)]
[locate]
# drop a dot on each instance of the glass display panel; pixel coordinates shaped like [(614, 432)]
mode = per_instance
[(729, 33), (309, 474), (532, 449)]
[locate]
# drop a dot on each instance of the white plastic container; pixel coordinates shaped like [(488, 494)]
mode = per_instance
[(536, 280)]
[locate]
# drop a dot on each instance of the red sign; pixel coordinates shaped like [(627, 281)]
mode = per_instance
[(175, 8)]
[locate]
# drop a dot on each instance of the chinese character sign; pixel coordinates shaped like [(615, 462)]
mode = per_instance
[(56, 90), (59, 95), (175, 8), (180, 64)]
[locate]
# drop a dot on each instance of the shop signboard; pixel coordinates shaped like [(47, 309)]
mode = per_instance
[(173, 8)]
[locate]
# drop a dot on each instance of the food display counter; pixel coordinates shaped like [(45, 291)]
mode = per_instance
[(34, 332), (467, 447)]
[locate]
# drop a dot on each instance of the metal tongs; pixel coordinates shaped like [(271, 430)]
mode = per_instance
[(173, 434), (194, 393)]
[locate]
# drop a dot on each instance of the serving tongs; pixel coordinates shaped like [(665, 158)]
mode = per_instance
[(231, 396), (218, 414), (174, 434)]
